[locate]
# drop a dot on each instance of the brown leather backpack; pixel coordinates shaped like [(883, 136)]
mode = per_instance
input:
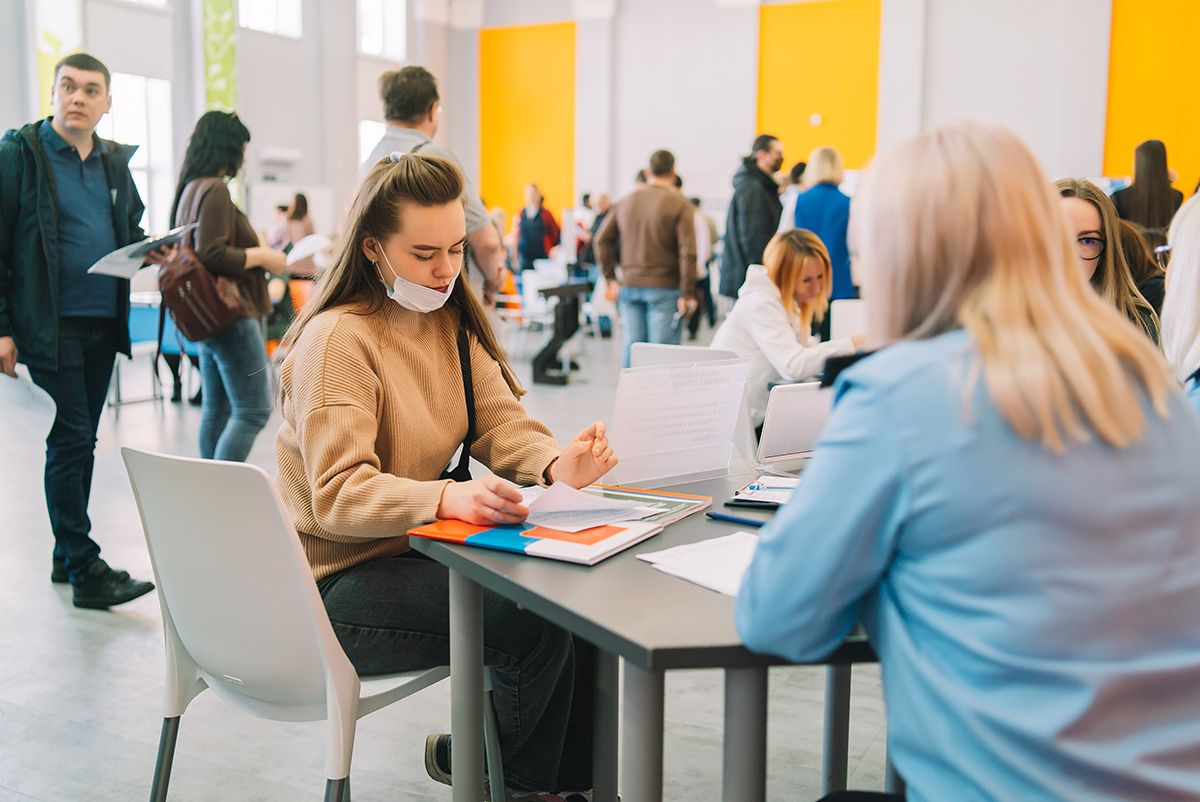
[(201, 303)]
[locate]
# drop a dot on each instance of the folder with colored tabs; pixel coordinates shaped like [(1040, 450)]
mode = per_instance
[(586, 547)]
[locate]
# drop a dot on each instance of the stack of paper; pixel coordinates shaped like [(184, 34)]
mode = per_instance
[(717, 564), (768, 489), (566, 509)]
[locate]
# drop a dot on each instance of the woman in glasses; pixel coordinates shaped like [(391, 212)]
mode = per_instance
[(1093, 223), (1181, 310)]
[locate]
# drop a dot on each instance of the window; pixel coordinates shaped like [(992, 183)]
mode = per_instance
[(369, 134), (141, 115), (281, 17), (383, 28)]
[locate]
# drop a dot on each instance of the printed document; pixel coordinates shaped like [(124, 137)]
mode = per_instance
[(717, 564)]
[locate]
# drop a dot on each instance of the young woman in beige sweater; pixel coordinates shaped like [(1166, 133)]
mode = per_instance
[(390, 369)]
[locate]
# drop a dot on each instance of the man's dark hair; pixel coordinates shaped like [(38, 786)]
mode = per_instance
[(86, 62), (762, 142), (695, 202), (662, 162), (216, 150), (407, 93), (640, 178), (678, 182), (797, 172), (587, 196)]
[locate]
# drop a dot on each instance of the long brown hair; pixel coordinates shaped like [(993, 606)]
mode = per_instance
[(1112, 278), (784, 261), (376, 213), (1151, 202), (1138, 256)]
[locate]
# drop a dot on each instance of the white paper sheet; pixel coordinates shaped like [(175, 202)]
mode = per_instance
[(770, 489), (676, 420), (26, 410), (310, 255), (566, 509), (125, 262), (717, 564)]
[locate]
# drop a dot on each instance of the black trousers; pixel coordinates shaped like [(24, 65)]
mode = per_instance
[(392, 615), (87, 349)]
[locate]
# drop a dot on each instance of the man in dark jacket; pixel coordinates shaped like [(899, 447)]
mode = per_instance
[(753, 214), (67, 198)]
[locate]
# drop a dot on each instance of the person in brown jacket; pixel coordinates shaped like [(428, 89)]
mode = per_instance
[(390, 368), (657, 231), (233, 364)]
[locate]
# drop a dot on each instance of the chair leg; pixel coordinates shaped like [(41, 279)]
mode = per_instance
[(337, 790), (166, 756), (491, 743)]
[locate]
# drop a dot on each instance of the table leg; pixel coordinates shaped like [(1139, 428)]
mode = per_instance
[(834, 757), (745, 772), (642, 750), (893, 783), (605, 728), (466, 687)]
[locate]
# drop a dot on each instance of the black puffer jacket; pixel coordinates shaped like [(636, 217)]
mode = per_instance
[(752, 220)]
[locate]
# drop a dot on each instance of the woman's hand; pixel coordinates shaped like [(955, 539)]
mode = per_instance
[(268, 259), (586, 459), (161, 256), (482, 502)]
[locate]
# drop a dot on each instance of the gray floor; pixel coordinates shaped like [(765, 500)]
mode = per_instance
[(80, 691)]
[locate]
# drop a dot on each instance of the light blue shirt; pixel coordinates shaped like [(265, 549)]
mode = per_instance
[(1193, 393), (1035, 614)]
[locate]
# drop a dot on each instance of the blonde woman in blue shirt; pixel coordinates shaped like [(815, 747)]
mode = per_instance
[(1005, 496), (1181, 309)]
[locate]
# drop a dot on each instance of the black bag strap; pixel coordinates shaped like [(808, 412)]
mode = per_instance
[(464, 362), (419, 146)]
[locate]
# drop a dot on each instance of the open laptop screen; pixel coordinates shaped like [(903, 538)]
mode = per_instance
[(796, 415)]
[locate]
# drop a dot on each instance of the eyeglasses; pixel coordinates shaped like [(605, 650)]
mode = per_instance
[(1162, 255), (1090, 248)]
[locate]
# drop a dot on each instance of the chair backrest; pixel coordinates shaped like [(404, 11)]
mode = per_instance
[(847, 317), (233, 581)]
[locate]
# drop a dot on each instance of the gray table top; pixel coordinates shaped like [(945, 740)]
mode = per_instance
[(623, 604)]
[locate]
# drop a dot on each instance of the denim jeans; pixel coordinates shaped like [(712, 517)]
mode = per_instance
[(236, 391), (392, 615), (87, 348), (648, 316)]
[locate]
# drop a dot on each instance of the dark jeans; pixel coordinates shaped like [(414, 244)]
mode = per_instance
[(392, 615), (237, 391), (87, 348), (707, 306)]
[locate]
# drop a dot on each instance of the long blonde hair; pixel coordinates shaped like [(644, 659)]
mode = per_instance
[(784, 258), (376, 213), (824, 167), (1112, 277), (1181, 309), (959, 227)]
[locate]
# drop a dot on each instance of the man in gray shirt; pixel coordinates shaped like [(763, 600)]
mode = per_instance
[(411, 107)]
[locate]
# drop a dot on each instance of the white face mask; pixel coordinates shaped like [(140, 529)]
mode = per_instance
[(415, 297)]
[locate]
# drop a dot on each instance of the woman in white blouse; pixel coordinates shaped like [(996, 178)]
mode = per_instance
[(771, 322)]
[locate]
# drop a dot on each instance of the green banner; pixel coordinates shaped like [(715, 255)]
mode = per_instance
[(220, 62), (59, 26)]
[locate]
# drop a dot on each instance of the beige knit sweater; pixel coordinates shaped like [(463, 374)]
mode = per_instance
[(373, 411)]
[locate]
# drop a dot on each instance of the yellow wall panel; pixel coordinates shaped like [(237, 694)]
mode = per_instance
[(1152, 86), (820, 58), (527, 114)]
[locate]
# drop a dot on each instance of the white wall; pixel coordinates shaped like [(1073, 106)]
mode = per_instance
[(16, 64), (1040, 68)]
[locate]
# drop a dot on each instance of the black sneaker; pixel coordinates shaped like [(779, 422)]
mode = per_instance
[(437, 766), (100, 587), (58, 571)]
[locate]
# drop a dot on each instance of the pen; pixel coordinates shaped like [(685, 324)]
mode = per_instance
[(733, 519)]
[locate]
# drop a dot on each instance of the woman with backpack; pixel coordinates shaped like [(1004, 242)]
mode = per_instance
[(233, 361)]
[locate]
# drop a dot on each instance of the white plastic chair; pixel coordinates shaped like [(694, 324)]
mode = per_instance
[(847, 317), (242, 614)]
